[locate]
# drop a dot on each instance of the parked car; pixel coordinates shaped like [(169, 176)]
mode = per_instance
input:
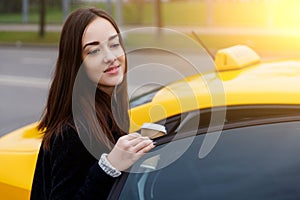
[(233, 133)]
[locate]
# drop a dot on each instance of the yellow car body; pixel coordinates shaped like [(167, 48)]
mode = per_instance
[(241, 79)]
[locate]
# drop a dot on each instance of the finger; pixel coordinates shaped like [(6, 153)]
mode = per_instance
[(125, 138), (133, 136), (146, 149), (136, 141), (144, 146), (124, 144)]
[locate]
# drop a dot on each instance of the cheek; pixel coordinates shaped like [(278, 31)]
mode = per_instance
[(122, 60), (93, 69)]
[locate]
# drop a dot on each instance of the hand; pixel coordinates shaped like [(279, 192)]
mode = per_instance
[(128, 149)]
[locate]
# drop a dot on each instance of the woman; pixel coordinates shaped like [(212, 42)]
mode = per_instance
[(86, 115)]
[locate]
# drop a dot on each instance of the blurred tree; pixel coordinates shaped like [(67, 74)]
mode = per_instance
[(42, 13), (158, 16), (140, 10), (9, 6), (49, 3), (55, 3)]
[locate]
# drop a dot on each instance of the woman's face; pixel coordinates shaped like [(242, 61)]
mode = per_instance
[(103, 55)]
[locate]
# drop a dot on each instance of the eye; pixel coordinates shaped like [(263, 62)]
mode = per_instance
[(115, 45), (93, 52)]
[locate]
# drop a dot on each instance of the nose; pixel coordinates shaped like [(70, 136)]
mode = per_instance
[(109, 56)]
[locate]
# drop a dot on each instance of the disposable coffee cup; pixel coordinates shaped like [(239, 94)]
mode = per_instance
[(153, 130)]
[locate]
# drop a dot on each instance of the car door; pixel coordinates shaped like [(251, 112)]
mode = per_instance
[(256, 157)]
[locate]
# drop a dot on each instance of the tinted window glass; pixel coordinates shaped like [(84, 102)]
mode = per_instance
[(258, 162)]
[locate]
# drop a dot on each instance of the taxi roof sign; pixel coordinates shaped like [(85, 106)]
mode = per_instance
[(235, 57)]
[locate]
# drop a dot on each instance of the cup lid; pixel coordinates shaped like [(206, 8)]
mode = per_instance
[(156, 127)]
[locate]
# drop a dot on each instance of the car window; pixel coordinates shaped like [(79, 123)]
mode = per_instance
[(256, 162)]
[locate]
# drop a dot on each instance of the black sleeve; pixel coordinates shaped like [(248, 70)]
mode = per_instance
[(75, 173)]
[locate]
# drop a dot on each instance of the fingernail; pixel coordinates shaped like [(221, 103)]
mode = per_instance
[(154, 143)]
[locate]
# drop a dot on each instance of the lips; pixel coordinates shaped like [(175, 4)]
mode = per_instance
[(112, 69)]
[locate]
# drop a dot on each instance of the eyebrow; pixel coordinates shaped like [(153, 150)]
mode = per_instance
[(97, 43)]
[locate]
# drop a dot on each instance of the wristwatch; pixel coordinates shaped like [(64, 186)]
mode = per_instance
[(107, 167)]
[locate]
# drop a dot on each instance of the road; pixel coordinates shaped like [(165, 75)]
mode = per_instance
[(24, 80), (25, 74)]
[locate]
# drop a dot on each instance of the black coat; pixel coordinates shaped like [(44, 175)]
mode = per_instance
[(69, 171)]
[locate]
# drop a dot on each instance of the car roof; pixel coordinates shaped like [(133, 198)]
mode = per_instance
[(273, 82)]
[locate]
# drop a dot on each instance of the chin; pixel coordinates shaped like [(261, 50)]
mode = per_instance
[(118, 81), (113, 83)]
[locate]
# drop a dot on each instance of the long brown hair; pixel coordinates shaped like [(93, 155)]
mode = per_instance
[(58, 111)]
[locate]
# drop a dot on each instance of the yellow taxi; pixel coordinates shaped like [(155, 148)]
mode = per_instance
[(233, 133)]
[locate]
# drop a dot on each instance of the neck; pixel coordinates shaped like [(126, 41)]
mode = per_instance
[(107, 89)]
